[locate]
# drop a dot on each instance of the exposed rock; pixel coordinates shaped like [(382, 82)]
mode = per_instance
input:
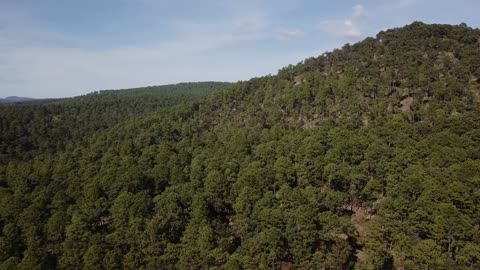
[(449, 55), (56, 118), (361, 255), (310, 123), (343, 236), (390, 108), (297, 80), (365, 119), (426, 99), (406, 104), (476, 95)]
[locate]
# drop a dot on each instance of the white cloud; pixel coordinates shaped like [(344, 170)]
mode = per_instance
[(348, 28), (286, 34), (405, 3), (56, 72), (341, 29), (37, 62), (359, 11), (43, 71)]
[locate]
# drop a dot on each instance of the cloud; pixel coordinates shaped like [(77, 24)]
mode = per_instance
[(38, 59), (40, 62), (341, 29), (286, 34), (405, 3), (348, 28), (58, 72), (359, 11), (45, 71)]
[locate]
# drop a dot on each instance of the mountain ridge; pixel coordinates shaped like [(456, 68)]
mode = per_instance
[(15, 99)]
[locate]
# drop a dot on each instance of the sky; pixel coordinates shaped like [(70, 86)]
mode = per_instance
[(63, 48)]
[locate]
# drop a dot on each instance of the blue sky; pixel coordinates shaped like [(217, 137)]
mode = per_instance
[(65, 48)]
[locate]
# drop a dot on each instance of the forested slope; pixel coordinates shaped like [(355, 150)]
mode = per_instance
[(367, 157), (47, 126)]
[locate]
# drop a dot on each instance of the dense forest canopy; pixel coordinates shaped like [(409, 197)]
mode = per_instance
[(41, 126), (367, 157)]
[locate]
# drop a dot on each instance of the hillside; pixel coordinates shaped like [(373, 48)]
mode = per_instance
[(47, 126), (367, 157)]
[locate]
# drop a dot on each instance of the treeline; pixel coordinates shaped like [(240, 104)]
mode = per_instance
[(366, 157)]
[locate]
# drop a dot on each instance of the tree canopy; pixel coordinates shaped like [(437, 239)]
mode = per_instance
[(366, 157)]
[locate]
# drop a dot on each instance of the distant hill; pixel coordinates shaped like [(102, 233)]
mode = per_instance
[(48, 125), (15, 99)]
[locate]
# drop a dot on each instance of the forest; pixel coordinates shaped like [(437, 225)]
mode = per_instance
[(366, 157)]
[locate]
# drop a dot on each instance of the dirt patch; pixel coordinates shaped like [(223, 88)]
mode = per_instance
[(304, 122), (360, 218), (307, 124), (286, 266)]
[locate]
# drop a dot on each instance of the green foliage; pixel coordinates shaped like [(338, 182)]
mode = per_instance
[(367, 157)]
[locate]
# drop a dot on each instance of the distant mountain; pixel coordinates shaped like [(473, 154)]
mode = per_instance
[(15, 99)]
